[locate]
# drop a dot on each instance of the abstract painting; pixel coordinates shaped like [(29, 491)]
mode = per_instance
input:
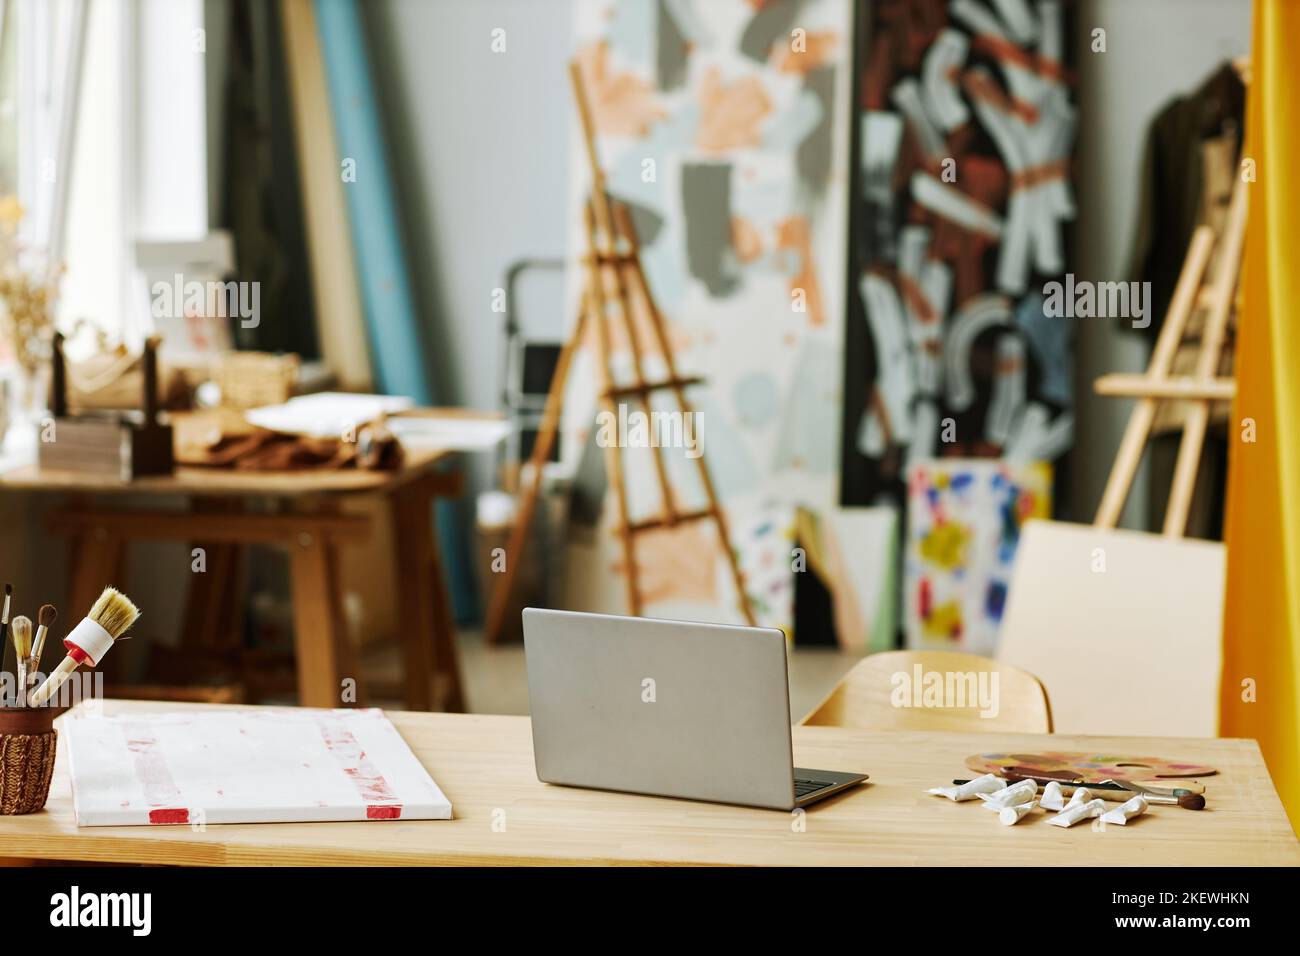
[(967, 121), (723, 125), (964, 518)]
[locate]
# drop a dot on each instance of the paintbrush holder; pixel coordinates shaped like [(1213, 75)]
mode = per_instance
[(28, 742)]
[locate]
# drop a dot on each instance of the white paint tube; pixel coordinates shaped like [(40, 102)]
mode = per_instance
[(1010, 816), (1018, 793), (1126, 811), (971, 788), (1080, 795), (1053, 798), (1083, 811)]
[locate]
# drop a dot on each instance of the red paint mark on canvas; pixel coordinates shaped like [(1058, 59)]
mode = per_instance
[(151, 770), (169, 815), (358, 768), (384, 813)]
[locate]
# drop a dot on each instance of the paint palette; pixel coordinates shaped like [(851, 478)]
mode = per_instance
[(1086, 766), (240, 765)]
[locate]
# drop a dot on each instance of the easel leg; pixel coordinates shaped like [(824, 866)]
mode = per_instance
[(613, 453), (500, 599)]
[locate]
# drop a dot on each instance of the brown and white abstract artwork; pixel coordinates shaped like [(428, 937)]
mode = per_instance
[(724, 125)]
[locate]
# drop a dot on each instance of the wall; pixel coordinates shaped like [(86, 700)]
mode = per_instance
[(480, 146), (1155, 49)]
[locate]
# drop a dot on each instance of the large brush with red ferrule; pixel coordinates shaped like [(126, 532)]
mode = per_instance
[(90, 640)]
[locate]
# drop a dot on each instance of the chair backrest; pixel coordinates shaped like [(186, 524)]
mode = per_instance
[(935, 690), (1124, 628)]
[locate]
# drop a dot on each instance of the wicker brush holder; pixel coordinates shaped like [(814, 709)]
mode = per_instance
[(27, 744)]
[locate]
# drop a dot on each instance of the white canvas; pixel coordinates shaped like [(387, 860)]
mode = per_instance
[(256, 765)]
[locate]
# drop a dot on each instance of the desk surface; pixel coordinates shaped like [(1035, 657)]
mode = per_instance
[(191, 481), (226, 482), (503, 815)]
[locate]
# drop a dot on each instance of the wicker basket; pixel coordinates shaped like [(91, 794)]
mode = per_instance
[(27, 744), (254, 379)]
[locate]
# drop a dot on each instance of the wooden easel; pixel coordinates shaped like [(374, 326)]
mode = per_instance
[(613, 252), (1194, 291)]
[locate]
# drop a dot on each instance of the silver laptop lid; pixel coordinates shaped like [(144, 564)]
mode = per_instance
[(661, 707)]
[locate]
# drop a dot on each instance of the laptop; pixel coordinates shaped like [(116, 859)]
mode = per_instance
[(669, 708)]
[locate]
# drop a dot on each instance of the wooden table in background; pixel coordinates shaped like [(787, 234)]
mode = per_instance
[(310, 525), (503, 815)]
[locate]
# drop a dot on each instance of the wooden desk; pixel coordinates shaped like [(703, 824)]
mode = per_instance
[(504, 816), (309, 524)]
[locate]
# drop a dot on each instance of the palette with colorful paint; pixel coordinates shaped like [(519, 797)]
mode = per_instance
[(1086, 767)]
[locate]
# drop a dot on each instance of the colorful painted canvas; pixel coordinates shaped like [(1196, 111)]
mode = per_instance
[(964, 518), (967, 123), (724, 126)]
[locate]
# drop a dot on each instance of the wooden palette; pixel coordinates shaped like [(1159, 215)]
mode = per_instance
[(1086, 766)]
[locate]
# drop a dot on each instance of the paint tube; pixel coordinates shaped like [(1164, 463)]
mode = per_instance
[(1082, 811), (971, 788), (1053, 798), (1010, 816), (1126, 811), (1014, 795), (1080, 795)]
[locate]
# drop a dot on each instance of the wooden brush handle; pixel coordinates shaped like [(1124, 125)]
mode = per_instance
[(53, 682)]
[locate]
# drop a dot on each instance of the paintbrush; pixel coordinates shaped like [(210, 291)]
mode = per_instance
[(21, 629), (90, 640), (47, 615), (5, 668), (1118, 791)]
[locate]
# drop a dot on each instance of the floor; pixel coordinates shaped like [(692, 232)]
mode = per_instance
[(496, 681)]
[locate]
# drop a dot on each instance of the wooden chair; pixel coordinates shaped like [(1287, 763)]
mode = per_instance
[(879, 694)]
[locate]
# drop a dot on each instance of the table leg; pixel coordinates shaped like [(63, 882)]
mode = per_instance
[(410, 509), (324, 655), (98, 561), (429, 655), (446, 658), (214, 604)]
